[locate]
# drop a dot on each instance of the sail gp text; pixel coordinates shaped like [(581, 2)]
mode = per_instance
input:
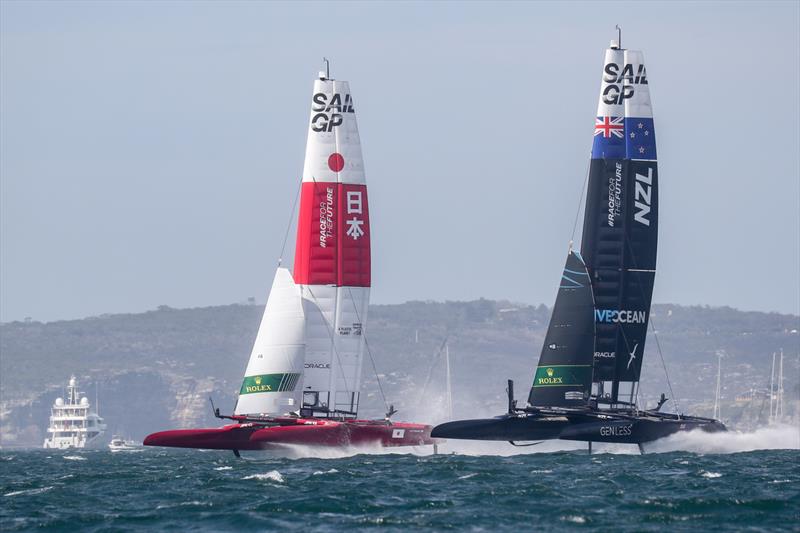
[(620, 82), (329, 114)]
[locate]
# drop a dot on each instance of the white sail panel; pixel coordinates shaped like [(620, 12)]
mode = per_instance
[(333, 150), (351, 319), (273, 380), (611, 101), (319, 304), (335, 322), (637, 86)]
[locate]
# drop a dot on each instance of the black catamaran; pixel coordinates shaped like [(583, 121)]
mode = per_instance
[(585, 386)]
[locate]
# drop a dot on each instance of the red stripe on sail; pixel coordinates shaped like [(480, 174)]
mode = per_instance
[(333, 235)]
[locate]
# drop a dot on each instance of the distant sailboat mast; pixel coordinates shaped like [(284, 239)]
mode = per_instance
[(772, 390), (779, 406), (449, 382), (717, 407)]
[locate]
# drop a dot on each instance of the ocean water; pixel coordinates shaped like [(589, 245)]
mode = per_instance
[(695, 482)]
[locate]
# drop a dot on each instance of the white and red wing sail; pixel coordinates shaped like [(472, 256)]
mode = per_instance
[(332, 254)]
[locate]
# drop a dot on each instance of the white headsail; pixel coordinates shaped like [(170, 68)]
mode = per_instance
[(273, 380)]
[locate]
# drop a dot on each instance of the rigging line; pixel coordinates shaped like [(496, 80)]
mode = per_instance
[(289, 225), (333, 341), (580, 200), (666, 373), (369, 352), (594, 325), (434, 361)]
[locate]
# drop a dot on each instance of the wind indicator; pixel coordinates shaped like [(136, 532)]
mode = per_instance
[(326, 74)]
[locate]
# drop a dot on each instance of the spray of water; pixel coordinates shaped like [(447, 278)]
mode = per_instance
[(300, 451), (773, 437)]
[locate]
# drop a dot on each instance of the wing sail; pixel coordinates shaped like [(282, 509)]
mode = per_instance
[(332, 255), (620, 228)]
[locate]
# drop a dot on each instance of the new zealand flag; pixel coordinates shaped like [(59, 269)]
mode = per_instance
[(640, 138), (624, 138)]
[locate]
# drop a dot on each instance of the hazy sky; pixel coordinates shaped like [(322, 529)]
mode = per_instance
[(150, 152)]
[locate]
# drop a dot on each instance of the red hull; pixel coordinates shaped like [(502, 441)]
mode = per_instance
[(305, 431)]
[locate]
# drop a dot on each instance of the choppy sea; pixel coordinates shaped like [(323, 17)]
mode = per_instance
[(693, 482)]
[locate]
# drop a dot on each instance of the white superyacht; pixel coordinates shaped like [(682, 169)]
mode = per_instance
[(72, 425)]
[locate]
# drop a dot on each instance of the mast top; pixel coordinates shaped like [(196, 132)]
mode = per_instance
[(616, 44), (325, 74)]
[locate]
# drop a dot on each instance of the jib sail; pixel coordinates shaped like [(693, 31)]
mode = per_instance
[(564, 373), (620, 229), (273, 380), (332, 253)]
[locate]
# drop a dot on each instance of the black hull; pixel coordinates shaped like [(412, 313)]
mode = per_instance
[(622, 427), (504, 428)]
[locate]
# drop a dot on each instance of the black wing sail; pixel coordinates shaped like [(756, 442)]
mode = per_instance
[(564, 373), (620, 228)]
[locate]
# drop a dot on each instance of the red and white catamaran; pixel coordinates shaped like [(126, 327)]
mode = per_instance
[(303, 380)]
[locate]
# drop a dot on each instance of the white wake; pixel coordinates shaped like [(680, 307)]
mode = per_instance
[(774, 437)]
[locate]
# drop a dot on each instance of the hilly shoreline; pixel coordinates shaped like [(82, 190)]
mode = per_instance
[(155, 370)]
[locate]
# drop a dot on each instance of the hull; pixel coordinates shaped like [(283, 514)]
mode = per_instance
[(594, 426), (503, 428), (90, 442), (125, 448), (302, 431)]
